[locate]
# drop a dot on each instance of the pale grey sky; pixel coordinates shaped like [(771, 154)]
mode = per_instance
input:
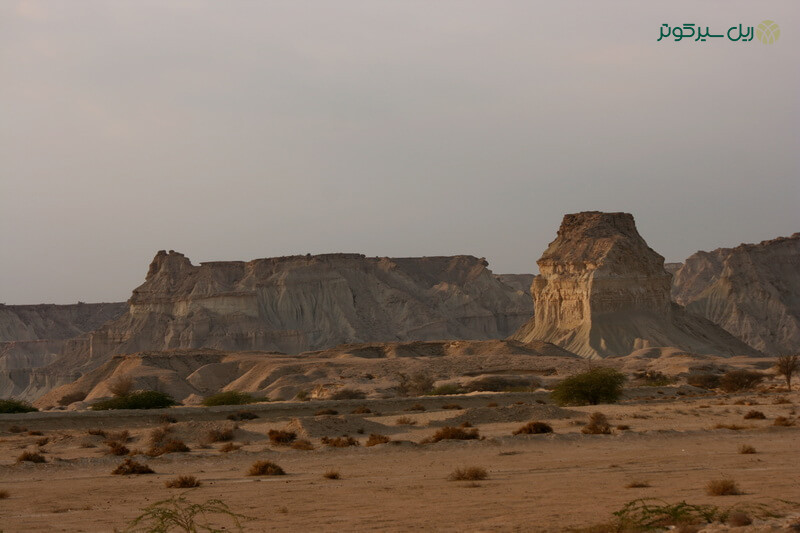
[(237, 130)]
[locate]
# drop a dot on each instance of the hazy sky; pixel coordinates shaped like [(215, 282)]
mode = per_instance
[(237, 130)]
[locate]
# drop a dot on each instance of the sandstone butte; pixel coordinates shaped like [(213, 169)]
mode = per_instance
[(603, 292)]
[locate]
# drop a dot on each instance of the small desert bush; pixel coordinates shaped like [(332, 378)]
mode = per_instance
[(452, 406), (97, 432), (219, 435), (739, 380), (638, 484), (158, 434), (148, 399), (15, 406), (17, 429), (42, 441), (415, 407), (265, 468), (468, 473), (332, 474), (598, 425), (654, 378), (623, 427), (780, 400), (451, 433), (722, 487), (746, 449), (339, 442), (738, 519), (405, 421), (4, 494), (732, 427), (229, 447), (703, 380), (71, 398), (170, 446), (302, 444), (35, 433), (534, 428), (166, 419), (325, 412), (121, 386), (491, 404), (502, 384), (116, 448), (182, 482), (348, 394), (782, 421), (230, 397), (179, 514), (599, 385), (31, 457), (754, 415), (130, 467), (375, 439), (241, 416), (277, 436), (415, 385), (447, 389), (121, 436), (362, 410)]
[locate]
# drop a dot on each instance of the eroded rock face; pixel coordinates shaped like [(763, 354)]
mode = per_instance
[(752, 291), (299, 303), (602, 291)]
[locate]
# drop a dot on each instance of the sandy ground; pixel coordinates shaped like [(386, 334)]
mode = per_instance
[(536, 483)]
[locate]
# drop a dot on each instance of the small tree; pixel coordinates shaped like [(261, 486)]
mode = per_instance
[(788, 365), (121, 386), (592, 387)]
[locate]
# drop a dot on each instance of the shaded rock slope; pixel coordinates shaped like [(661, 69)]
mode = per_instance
[(752, 291)]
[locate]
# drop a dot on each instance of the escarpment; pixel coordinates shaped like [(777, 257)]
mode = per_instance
[(602, 292), (752, 291)]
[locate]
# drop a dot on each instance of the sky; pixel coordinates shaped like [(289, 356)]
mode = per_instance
[(237, 130)]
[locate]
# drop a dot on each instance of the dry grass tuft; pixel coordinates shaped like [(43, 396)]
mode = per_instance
[(623, 427), (468, 473), (265, 468), (332, 474), (746, 449), (780, 400), (451, 433), (219, 435), (42, 441), (491, 404), (116, 448), (598, 425), (242, 416), (533, 428), (17, 429), (638, 484), (738, 519), (453, 406), (182, 482), (229, 447), (31, 457), (171, 446), (722, 487), (415, 407), (131, 467), (302, 444), (35, 433), (732, 427), (277, 436), (375, 439), (363, 410), (97, 432), (4, 494), (755, 415), (340, 442), (782, 421), (324, 412), (405, 421)]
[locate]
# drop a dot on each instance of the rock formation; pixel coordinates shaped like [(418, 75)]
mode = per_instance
[(51, 322), (603, 292), (752, 291), (294, 304)]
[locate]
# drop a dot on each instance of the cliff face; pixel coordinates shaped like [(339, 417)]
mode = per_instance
[(752, 291), (294, 304), (51, 322), (602, 291)]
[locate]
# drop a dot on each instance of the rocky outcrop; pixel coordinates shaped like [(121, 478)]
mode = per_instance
[(752, 291), (51, 322), (603, 292), (521, 282), (299, 303)]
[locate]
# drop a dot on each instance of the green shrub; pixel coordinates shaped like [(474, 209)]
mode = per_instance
[(703, 380), (179, 514), (148, 399), (599, 385), (739, 380), (16, 406), (230, 397), (447, 389)]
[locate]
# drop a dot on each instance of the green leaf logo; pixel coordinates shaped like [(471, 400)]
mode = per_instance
[(768, 32)]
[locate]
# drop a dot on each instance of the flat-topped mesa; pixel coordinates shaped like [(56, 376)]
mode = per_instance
[(602, 291)]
